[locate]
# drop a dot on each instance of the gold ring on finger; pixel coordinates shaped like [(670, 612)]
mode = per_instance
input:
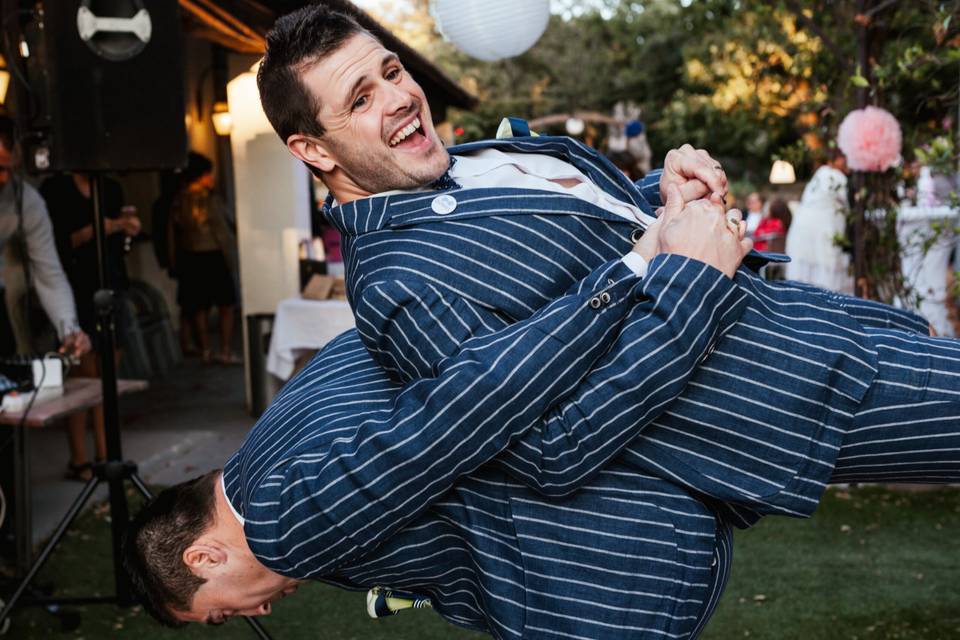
[(733, 222)]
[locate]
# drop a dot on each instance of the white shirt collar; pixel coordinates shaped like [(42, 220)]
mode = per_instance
[(236, 513)]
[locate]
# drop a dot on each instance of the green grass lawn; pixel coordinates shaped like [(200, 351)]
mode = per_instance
[(872, 564)]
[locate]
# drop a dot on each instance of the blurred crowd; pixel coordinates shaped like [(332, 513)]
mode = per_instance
[(51, 268)]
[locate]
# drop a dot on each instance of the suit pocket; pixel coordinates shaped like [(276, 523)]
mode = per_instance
[(597, 567)]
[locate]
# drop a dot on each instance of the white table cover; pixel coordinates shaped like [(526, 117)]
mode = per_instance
[(302, 326)]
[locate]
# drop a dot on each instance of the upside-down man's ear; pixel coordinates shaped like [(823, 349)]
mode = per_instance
[(202, 556)]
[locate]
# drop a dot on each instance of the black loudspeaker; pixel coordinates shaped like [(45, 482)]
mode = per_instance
[(105, 82)]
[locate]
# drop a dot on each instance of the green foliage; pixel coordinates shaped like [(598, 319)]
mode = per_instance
[(858, 80), (939, 154), (742, 78), (748, 80)]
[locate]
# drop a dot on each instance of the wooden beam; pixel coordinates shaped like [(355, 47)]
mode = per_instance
[(231, 37)]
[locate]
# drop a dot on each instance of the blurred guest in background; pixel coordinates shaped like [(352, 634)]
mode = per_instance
[(23, 213), (202, 254), (624, 161), (69, 198), (819, 221), (769, 234), (160, 219), (754, 212)]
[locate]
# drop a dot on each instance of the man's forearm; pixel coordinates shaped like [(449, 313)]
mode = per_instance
[(53, 288), (341, 502), (687, 308)]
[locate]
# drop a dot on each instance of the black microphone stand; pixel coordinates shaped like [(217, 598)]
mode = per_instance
[(114, 471)]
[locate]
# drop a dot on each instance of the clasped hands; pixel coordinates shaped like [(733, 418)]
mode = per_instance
[(695, 222)]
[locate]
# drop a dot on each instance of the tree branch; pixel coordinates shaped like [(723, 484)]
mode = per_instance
[(880, 7)]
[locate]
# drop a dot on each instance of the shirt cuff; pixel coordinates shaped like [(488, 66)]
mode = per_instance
[(636, 263)]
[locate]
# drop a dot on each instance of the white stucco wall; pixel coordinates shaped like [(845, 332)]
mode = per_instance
[(272, 203)]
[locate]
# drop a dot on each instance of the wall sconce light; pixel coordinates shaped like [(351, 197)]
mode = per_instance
[(4, 80), (222, 120), (782, 173)]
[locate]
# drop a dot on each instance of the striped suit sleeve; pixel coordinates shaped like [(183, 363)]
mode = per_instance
[(687, 306), (649, 186), (410, 326), (325, 507), (878, 315)]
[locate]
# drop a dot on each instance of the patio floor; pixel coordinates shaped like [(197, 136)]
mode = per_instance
[(186, 423)]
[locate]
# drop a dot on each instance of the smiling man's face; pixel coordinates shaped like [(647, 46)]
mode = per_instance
[(242, 591), (379, 135)]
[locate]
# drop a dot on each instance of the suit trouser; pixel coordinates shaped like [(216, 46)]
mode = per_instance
[(907, 428)]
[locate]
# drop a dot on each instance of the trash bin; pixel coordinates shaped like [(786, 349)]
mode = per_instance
[(262, 384)]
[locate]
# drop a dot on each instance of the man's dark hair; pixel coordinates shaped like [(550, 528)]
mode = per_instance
[(780, 211), (297, 40), (156, 539)]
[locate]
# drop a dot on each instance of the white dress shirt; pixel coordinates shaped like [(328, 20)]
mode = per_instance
[(493, 168)]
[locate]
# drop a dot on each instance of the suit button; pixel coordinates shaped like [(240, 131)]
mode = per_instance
[(444, 204), (635, 235), (595, 302), (605, 298)]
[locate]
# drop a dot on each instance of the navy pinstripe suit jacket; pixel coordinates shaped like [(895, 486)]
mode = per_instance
[(756, 426), (348, 480)]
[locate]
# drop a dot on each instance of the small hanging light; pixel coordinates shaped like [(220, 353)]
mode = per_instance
[(782, 173), (222, 120), (4, 80)]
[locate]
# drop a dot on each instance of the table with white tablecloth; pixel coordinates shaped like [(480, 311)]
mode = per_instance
[(301, 327)]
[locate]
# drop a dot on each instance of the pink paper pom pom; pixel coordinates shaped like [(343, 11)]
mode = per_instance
[(871, 139)]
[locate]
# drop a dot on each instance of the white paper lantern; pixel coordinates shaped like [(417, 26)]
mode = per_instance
[(492, 29), (575, 126)]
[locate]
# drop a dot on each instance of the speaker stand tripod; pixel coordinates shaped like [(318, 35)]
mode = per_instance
[(115, 471)]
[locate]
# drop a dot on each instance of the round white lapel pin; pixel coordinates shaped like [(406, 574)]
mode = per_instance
[(444, 204)]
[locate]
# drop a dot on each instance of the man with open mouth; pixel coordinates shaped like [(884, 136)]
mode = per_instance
[(541, 473)]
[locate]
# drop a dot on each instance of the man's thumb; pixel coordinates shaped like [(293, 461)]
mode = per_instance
[(674, 204)]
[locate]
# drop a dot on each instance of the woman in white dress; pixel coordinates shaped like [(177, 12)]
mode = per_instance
[(820, 216)]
